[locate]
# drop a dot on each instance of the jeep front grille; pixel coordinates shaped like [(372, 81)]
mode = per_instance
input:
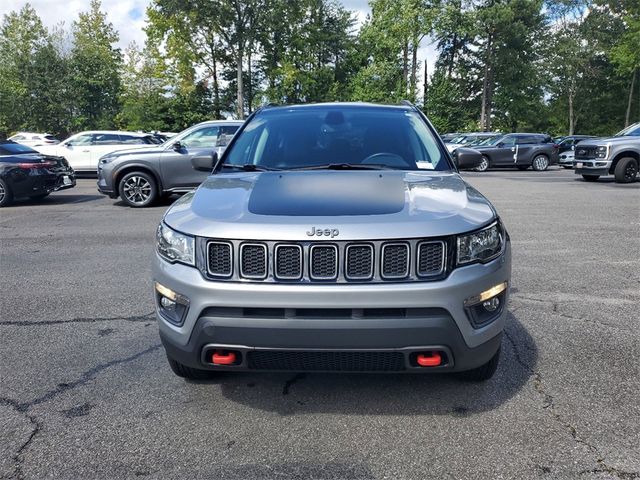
[(253, 260), (220, 259), (324, 262), (374, 261), (430, 258)]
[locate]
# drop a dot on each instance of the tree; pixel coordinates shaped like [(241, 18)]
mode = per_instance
[(95, 70)]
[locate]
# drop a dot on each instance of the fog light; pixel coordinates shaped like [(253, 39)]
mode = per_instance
[(171, 305), (491, 305), (167, 304)]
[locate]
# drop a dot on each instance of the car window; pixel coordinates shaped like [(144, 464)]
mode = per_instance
[(50, 137), (528, 140), (507, 141), (202, 137), (106, 139), (84, 139), (12, 148), (130, 139), (630, 131), (298, 138)]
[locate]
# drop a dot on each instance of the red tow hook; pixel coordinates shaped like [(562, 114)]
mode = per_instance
[(429, 359), (223, 358)]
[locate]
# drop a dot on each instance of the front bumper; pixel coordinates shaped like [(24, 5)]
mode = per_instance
[(591, 166), (442, 325)]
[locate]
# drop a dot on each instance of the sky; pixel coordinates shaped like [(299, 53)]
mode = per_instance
[(128, 17)]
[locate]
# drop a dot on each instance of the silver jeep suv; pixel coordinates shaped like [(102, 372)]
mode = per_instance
[(333, 237)]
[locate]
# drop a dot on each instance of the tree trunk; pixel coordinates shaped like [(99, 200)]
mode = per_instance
[(240, 99), (487, 88), (627, 120), (414, 71), (250, 86), (216, 91), (425, 87), (572, 124), (405, 67)]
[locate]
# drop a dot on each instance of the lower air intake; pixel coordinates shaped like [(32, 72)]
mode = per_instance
[(327, 361)]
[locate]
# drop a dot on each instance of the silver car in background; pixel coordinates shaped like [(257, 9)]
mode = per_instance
[(140, 176)]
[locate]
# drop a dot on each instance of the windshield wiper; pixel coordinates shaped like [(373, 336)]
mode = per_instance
[(249, 167), (344, 166)]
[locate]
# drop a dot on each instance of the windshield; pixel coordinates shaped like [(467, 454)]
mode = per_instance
[(12, 148), (630, 131), (493, 140), (315, 136)]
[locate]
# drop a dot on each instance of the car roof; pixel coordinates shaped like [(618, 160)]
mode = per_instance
[(113, 132), (28, 133), (220, 122)]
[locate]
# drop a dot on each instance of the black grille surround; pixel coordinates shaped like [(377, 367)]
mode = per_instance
[(250, 258)]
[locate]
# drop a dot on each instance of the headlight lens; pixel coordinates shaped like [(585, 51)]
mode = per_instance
[(602, 152), (480, 246), (175, 246)]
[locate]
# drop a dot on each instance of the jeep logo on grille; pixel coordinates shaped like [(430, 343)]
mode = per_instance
[(323, 232)]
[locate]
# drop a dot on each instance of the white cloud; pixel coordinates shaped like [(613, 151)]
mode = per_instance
[(127, 16)]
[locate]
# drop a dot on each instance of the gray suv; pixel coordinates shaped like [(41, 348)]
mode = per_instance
[(333, 237), (618, 156), (140, 176)]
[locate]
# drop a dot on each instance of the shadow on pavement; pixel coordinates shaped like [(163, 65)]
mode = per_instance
[(387, 394), (55, 199)]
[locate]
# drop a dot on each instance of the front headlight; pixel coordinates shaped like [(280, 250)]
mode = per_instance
[(175, 246), (480, 246), (602, 151)]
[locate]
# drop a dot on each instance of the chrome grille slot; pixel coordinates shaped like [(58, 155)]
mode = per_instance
[(395, 260), (324, 262), (253, 260), (431, 258), (359, 263), (220, 259), (288, 262)]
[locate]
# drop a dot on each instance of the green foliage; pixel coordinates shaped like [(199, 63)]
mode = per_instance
[(555, 66)]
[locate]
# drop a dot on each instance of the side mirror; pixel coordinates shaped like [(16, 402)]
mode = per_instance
[(204, 163), (468, 158), (501, 144), (68, 145), (177, 146)]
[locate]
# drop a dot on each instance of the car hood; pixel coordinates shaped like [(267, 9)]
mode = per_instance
[(358, 204), (610, 140)]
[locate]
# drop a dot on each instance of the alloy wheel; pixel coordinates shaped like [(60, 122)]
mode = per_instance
[(2, 193), (484, 165), (629, 173), (540, 163), (137, 190)]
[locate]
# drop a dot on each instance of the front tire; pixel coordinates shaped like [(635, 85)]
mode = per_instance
[(540, 163), (590, 178), (6, 195), (484, 165), (189, 373), (483, 372), (138, 189), (626, 170)]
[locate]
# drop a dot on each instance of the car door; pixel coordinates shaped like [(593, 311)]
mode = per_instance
[(102, 144), (77, 151), (505, 151), (525, 145), (175, 162)]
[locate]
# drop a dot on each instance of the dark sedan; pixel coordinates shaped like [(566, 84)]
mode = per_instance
[(25, 173)]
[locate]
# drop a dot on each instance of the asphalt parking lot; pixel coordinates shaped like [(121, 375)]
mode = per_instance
[(85, 391)]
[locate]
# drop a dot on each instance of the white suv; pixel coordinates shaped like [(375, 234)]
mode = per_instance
[(84, 149), (34, 139)]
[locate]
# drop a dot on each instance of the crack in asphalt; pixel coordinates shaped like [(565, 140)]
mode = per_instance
[(23, 407), (134, 318), (555, 307), (549, 404), (291, 381)]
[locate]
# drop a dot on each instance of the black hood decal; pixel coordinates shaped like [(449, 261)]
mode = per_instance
[(328, 194)]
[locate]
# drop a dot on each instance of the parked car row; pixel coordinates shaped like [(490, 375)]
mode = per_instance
[(26, 173)]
